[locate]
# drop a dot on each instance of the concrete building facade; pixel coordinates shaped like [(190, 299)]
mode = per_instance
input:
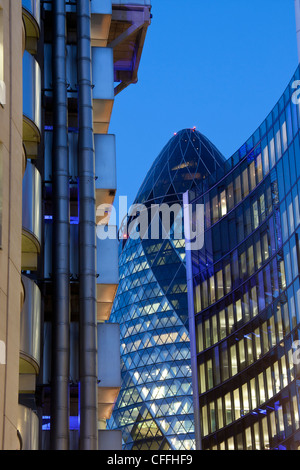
[(12, 39)]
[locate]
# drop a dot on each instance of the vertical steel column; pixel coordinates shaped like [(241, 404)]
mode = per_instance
[(191, 313), (87, 235), (61, 236)]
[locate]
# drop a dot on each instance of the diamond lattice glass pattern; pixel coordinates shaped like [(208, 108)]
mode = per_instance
[(154, 409)]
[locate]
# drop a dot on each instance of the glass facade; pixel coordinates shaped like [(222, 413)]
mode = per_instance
[(246, 290), (154, 409)]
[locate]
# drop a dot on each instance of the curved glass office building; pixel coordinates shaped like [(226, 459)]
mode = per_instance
[(154, 409), (246, 289)]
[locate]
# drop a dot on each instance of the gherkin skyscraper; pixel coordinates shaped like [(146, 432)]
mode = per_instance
[(154, 410)]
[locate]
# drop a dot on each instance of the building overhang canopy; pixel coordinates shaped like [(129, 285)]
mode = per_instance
[(129, 24)]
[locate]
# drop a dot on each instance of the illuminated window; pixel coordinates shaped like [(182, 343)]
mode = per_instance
[(237, 403), (296, 411), (246, 407), (234, 369), (230, 196), (238, 309), (215, 209), (227, 272), (228, 409), (220, 413), (210, 374), (212, 289), (252, 176), (265, 247), (224, 361), (284, 372), (254, 301), (284, 136), (214, 329), (257, 343), (222, 324), (245, 182), (282, 274), (202, 379), (256, 436), (242, 353), (262, 204), (259, 168), (272, 153), (272, 331), (269, 382), (290, 214), (280, 419), (230, 443), (204, 295), (204, 421), (266, 160), (250, 254), (255, 214), (212, 416), (261, 387), (258, 254), (230, 315), (248, 439), (276, 377), (253, 393), (243, 264), (265, 433), (220, 287), (237, 189), (278, 145), (197, 299), (223, 203), (273, 430), (297, 211), (199, 338), (249, 350), (207, 334)]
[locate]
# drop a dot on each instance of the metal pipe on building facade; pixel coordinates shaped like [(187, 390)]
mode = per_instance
[(61, 235), (87, 235)]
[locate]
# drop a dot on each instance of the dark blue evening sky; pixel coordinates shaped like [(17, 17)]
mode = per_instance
[(214, 64)]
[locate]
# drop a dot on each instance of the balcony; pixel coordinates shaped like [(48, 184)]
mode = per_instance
[(31, 217), (107, 270), (31, 105), (31, 17), (28, 427), (106, 182), (103, 91), (30, 336), (109, 368)]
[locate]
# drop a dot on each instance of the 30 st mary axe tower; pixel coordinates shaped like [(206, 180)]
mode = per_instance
[(154, 409)]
